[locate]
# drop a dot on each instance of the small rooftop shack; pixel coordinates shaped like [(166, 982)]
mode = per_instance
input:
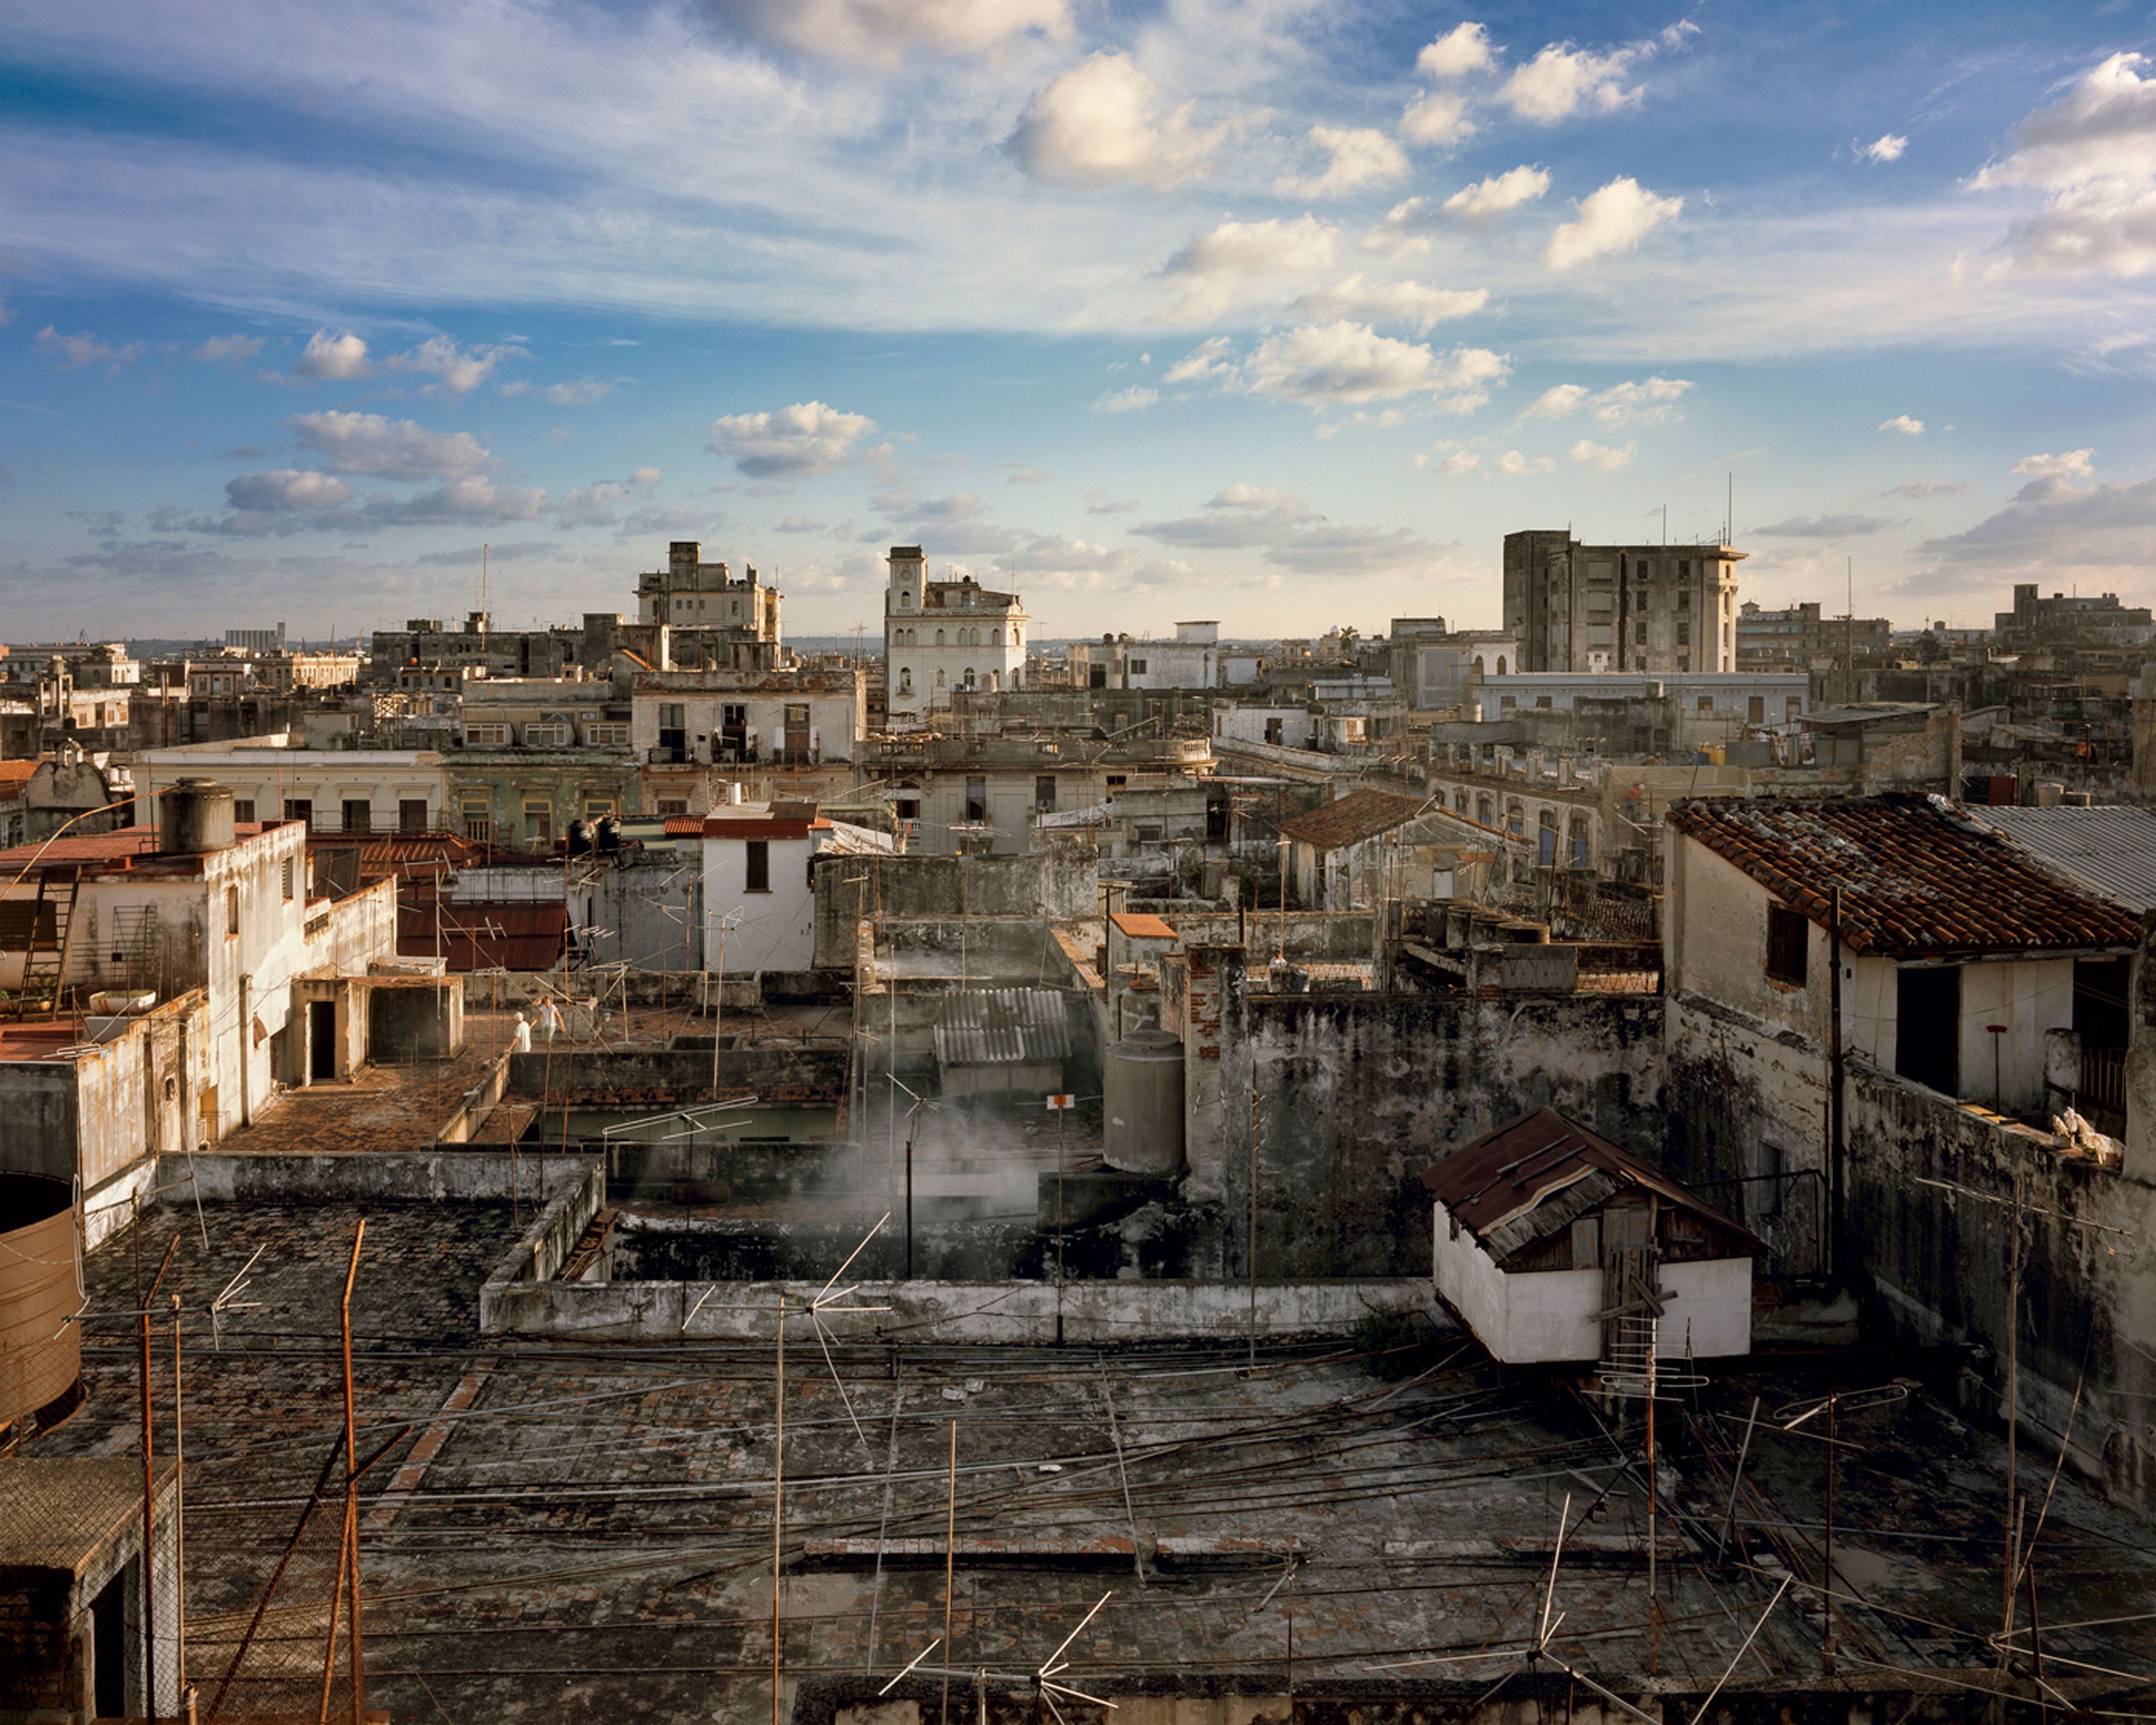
[(1964, 956), (1540, 1226)]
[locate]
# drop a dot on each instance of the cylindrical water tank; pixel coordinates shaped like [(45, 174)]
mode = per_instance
[(193, 816), (40, 1351), (1142, 1099)]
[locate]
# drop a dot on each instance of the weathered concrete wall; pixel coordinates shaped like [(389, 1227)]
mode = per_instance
[(1096, 1313), (1058, 880), (1356, 1094), (383, 1176), (661, 1074)]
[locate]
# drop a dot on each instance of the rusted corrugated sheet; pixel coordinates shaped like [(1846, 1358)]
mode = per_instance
[(40, 1351), (1002, 1027), (481, 936)]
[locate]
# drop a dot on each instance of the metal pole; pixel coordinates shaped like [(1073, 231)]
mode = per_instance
[(179, 1511), (950, 1552), (1826, 1651), (1737, 1478), (352, 1479), (1061, 1115), (1253, 1234), (777, 1504)]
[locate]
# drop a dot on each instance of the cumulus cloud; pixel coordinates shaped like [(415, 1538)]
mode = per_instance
[(1134, 400), (1512, 465), (1826, 527), (1460, 464), (1562, 79), (1927, 488), (2074, 464), (1289, 534), (231, 350), (1462, 49), (1436, 118), (1652, 402), (808, 438), (85, 349), (332, 358), (1886, 148), (1594, 455), (954, 524), (1212, 358), (1486, 200), (1408, 302), (1343, 363), (800, 524), (380, 448), (2051, 531), (1615, 218), (886, 30), (2093, 152), (457, 371), (1358, 156), (1904, 424), (1405, 229), (1214, 267), (1101, 122), (463, 500), (287, 488)]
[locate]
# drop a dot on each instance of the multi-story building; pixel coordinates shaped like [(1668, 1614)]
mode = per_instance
[(1794, 636), (1639, 607), (324, 790), (2069, 620), (716, 620), (1191, 661), (941, 635)]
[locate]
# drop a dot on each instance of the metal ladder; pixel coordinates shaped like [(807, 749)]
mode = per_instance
[(47, 962)]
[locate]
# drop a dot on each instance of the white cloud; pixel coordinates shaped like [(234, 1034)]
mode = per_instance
[(1928, 488), (74, 351), (1904, 424), (1615, 219), (1886, 148), (591, 506), (1101, 122), (459, 370), (233, 350), (1292, 535), (1512, 465), (1212, 358), (1330, 364), (1216, 266), (2094, 152), (886, 30), (287, 488), (464, 499), (332, 359), (1460, 464), (2074, 464), (1826, 526), (799, 524), (1405, 229), (1461, 50), (645, 478), (1561, 79), (1134, 400), (2051, 531), (806, 438), (380, 448), (1652, 402), (1360, 156), (1437, 118), (581, 393), (1408, 302), (1487, 200), (1593, 454)]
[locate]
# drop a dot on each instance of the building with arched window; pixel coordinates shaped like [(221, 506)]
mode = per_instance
[(943, 635)]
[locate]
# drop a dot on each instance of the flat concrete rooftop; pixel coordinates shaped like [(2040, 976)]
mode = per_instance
[(580, 1529)]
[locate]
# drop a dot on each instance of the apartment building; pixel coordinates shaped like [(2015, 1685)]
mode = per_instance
[(943, 635), (1660, 608)]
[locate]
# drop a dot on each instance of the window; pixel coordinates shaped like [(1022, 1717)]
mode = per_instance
[(477, 819), (1706, 704), (1639, 632), (548, 736), (909, 809), (1546, 840), (758, 867), (358, 815), (243, 810), (670, 806), (538, 821), (1684, 599), (671, 716), (412, 815), (1044, 794), (231, 912), (287, 881), (1482, 810), (1793, 707), (1507, 703), (1515, 820), (299, 808), (1684, 631), (1137, 667), (1541, 702), (906, 680), (1579, 842), (1789, 941), (487, 736), (977, 799)]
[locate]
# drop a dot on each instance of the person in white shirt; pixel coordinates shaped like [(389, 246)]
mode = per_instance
[(550, 1021), (520, 1039)]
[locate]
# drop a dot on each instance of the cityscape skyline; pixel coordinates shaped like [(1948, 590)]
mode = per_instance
[(1274, 312)]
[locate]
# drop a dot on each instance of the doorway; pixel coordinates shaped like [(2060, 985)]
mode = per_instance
[(321, 1040), (1927, 1027), (108, 1648)]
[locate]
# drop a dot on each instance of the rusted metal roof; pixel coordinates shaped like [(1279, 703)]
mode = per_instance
[(1140, 925), (507, 934), (1533, 1175), (1002, 1027), (1352, 818), (1918, 877)]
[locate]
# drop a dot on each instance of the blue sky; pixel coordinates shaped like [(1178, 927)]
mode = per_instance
[(1269, 310)]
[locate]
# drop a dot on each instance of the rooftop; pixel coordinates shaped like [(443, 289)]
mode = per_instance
[(1350, 820), (1141, 926), (1918, 877), (2110, 849)]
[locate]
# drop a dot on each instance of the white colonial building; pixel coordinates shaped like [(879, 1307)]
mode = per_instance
[(941, 635)]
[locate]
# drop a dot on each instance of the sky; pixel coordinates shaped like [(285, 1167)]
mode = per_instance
[(1279, 312)]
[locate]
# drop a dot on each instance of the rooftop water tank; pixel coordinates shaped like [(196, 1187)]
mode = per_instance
[(193, 816), (1142, 1099), (40, 1350)]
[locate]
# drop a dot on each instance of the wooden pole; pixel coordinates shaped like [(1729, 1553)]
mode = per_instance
[(950, 1555), (777, 1504), (149, 1463), (351, 1478), (179, 1512)]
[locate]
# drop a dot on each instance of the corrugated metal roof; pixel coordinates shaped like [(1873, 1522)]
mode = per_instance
[(1533, 1175), (2111, 849), (1349, 820), (1002, 1027)]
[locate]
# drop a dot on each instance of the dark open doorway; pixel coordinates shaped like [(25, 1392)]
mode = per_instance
[(108, 1648), (322, 1039), (1928, 1029)]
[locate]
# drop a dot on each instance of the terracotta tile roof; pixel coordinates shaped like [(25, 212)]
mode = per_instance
[(1350, 820), (1140, 925), (15, 775), (1496, 1185), (1918, 877)]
